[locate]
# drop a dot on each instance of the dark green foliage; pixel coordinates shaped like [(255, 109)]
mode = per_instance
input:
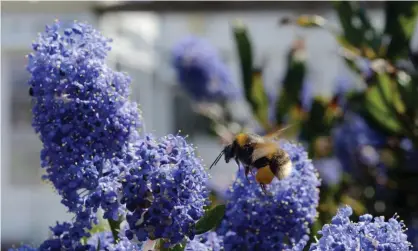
[(251, 77), (400, 24), (211, 219)]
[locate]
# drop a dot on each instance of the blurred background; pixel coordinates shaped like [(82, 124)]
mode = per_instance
[(144, 34)]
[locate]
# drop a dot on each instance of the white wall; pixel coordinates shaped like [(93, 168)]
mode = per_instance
[(142, 42)]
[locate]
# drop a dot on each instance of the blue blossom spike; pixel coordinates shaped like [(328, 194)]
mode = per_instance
[(106, 242), (66, 236), (124, 244), (367, 234), (330, 170), (356, 142), (412, 232), (81, 108), (166, 191), (208, 241), (255, 221), (201, 72), (104, 238), (24, 248), (343, 85), (84, 117)]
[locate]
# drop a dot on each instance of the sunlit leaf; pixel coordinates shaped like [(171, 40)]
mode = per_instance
[(252, 79), (378, 103), (293, 81)]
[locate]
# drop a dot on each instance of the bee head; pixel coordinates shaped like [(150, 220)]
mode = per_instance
[(229, 152)]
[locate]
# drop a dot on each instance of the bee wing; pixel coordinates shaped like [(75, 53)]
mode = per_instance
[(264, 149), (276, 134)]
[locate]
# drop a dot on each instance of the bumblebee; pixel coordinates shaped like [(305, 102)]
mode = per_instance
[(260, 153)]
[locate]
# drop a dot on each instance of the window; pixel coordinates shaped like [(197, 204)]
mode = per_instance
[(185, 119), (23, 144), (20, 113)]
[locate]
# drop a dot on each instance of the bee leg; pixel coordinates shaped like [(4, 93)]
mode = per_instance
[(247, 171), (263, 188), (236, 161)]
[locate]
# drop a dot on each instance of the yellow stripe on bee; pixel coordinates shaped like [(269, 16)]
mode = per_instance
[(264, 175), (241, 139)]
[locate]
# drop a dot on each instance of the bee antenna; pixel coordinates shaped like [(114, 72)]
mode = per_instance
[(217, 159)]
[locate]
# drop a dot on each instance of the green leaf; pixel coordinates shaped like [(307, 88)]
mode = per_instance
[(356, 25), (98, 244), (316, 124), (408, 93), (292, 84), (97, 228), (379, 100), (179, 247), (115, 227), (211, 219), (401, 18), (252, 79)]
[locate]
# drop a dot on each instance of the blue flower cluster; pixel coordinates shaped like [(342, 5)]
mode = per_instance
[(165, 192), (254, 221), (201, 72), (93, 153), (84, 117), (354, 140), (367, 234), (101, 239), (104, 241), (330, 170), (208, 241), (65, 236)]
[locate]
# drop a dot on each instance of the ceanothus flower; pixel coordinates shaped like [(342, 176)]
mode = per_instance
[(208, 241), (101, 239), (67, 236), (367, 234), (201, 71), (343, 86), (124, 244), (356, 142), (106, 241), (330, 170), (24, 248), (81, 107), (412, 232), (165, 192), (280, 221), (83, 116)]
